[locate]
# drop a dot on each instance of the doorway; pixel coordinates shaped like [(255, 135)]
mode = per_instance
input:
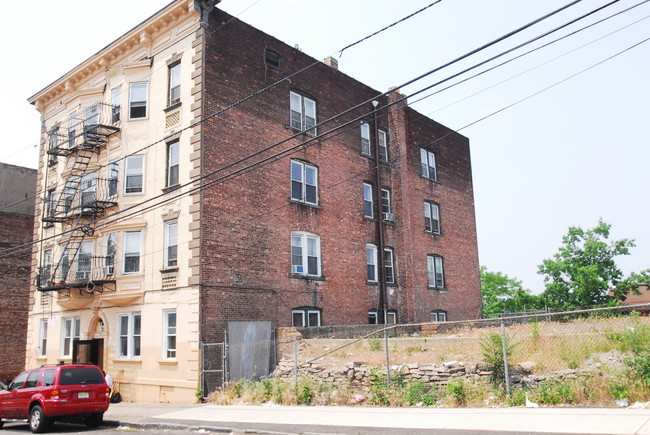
[(88, 351)]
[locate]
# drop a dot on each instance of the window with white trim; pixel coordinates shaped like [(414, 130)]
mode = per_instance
[(46, 276), (171, 244), (305, 316), (169, 333), (111, 249), (70, 327), (305, 254), (389, 265), (138, 95), (368, 207), (371, 262), (173, 163), (386, 205), (365, 139), (113, 175), (128, 335), (438, 316), (390, 317), (303, 113), (431, 217), (304, 182), (84, 261), (134, 175), (42, 338), (116, 102), (435, 271), (428, 164), (174, 83), (383, 145), (65, 264), (132, 248)]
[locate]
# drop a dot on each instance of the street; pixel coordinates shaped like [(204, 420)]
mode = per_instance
[(70, 429)]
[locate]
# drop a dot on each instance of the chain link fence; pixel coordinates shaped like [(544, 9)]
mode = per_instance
[(509, 352)]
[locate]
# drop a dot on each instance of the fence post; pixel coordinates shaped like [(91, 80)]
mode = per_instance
[(295, 361), (505, 356), (387, 359)]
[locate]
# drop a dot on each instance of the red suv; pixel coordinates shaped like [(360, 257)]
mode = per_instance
[(65, 392)]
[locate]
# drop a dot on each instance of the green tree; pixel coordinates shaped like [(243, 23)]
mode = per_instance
[(502, 293), (584, 270)]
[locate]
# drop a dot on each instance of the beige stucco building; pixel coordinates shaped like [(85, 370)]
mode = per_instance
[(116, 279)]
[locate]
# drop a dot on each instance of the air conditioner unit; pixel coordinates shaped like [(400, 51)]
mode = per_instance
[(82, 275), (297, 269), (109, 270), (388, 216)]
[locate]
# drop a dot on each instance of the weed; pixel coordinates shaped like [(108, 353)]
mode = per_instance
[(493, 355), (305, 393), (456, 389), (375, 344)]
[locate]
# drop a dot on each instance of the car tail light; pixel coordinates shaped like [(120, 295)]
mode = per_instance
[(54, 394), (108, 392)]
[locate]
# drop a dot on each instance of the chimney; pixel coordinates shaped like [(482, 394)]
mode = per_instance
[(331, 62)]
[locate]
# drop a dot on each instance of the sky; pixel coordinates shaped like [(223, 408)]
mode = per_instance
[(559, 136)]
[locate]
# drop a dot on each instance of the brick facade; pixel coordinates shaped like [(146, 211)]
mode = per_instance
[(247, 217), (15, 229)]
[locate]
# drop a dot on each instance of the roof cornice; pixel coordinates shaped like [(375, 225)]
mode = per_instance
[(140, 35)]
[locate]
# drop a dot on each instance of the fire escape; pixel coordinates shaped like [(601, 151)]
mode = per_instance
[(76, 204)]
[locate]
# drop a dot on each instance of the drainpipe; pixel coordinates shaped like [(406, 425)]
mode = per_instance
[(381, 312)]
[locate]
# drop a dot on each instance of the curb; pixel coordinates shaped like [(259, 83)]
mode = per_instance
[(189, 428)]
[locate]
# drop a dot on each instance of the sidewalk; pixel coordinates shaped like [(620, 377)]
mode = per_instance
[(367, 420)]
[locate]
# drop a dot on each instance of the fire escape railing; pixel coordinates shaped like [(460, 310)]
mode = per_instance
[(79, 272)]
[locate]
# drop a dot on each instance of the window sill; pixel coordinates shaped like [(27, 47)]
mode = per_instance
[(172, 107), (430, 179), (171, 188), (306, 204), (127, 361), (169, 269), (307, 277), (304, 132), (433, 234), (440, 289), (369, 218), (144, 118), (389, 222), (168, 362)]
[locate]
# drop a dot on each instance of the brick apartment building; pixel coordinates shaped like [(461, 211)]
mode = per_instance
[(173, 215), (17, 188)]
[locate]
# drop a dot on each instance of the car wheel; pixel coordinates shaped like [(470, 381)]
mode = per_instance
[(38, 423), (93, 421)]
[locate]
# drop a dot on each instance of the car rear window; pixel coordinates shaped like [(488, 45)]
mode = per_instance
[(80, 375)]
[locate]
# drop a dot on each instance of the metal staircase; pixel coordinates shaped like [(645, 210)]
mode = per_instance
[(79, 201)]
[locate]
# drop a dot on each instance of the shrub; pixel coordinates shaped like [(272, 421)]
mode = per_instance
[(492, 347)]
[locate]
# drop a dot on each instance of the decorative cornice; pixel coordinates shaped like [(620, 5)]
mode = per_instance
[(141, 36)]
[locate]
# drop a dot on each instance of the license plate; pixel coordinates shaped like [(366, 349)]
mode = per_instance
[(83, 395)]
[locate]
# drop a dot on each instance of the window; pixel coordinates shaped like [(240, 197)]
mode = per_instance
[(171, 244), (88, 189), (138, 100), (438, 316), (386, 205), (91, 116), (42, 338), (113, 174), (169, 332), (132, 242), (431, 217), (304, 182), (305, 254), (428, 164), (367, 201), (390, 317), (305, 316), (46, 276), (116, 102), (32, 379), (371, 262), (128, 336), (134, 174), (68, 195), (109, 260), (84, 261), (389, 266), (272, 59), (50, 203), (70, 332), (72, 128), (303, 113), (383, 145), (172, 163), (65, 264), (174, 83), (436, 272), (365, 139)]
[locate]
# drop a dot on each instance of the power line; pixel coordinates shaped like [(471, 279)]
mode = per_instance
[(278, 155)]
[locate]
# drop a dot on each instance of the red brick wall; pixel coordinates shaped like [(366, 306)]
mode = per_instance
[(15, 229), (247, 220)]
